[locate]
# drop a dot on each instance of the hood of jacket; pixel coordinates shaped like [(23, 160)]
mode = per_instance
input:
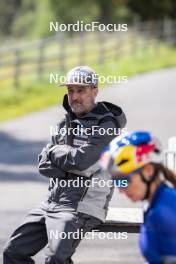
[(101, 110)]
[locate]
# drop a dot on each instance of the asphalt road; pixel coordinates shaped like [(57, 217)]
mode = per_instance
[(149, 103)]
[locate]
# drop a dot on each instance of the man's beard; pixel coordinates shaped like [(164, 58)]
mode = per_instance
[(81, 109), (78, 108)]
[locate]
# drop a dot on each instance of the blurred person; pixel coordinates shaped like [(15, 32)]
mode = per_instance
[(69, 157), (136, 166)]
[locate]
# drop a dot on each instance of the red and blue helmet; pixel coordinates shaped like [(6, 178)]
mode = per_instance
[(129, 153)]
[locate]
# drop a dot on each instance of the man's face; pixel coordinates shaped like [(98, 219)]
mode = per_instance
[(81, 98)]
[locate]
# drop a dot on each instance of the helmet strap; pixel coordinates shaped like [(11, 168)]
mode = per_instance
[(148, 183)]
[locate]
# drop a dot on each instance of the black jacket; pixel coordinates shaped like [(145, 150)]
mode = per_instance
[(74, 156)]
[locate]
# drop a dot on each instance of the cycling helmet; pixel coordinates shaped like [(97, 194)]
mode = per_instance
[(127, 154)]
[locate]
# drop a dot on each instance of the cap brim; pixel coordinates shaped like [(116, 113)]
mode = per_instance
[(77, 84)]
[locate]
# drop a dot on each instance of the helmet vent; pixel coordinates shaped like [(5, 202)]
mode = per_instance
[(122, 162)]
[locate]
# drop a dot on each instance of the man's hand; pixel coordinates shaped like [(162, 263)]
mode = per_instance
[(46, 167)]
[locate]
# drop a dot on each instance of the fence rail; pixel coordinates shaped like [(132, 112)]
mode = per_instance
[(61, 52)]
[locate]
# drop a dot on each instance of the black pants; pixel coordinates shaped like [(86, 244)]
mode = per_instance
[(52, 228)]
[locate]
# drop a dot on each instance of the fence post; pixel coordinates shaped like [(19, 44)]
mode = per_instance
[(151, 37), (141, 37), (136, 28), (82, 48), (102, 50), (62, 49), (41, 59), (134, 38), (157, 34), (17, 68), (174, 32), (146, 38), (119, 40), (168, 31)]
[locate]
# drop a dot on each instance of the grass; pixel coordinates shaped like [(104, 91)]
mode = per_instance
[(29, 98), (34, 94)]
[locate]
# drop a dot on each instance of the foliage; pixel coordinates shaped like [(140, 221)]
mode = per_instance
[(153, 9), (30, 18)]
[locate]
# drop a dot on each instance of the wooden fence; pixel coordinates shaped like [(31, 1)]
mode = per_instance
[(61, 52)]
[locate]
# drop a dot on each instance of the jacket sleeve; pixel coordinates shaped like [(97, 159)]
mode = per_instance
[(46, 167), (83, 160)]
